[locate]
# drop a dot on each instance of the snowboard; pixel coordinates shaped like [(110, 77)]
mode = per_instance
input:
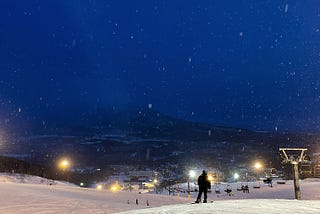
[(202, 203)]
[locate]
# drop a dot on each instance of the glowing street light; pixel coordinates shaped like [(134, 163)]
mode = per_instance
[(192, 174), (115, 187), (99, 187), (236, 176), (64, 164), (258, 165)]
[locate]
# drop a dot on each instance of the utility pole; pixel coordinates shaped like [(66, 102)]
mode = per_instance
[(297, 191), (189, 187), (294, 156)]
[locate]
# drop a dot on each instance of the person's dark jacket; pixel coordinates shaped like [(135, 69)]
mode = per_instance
[(204, 182)]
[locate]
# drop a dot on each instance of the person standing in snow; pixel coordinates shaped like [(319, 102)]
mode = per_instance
[(204, 185)]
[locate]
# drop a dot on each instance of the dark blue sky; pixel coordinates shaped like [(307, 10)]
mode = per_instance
[(247, 63)]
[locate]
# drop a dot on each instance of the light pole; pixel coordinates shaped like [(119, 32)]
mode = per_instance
[(258, 167), (155, 181), (64, 164), (218, 177), (191, 174)]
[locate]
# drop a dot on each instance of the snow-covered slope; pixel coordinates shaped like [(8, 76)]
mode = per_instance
[(239, 206), (34, 195)]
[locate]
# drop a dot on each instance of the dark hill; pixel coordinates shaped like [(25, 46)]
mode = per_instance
[(146, 138)]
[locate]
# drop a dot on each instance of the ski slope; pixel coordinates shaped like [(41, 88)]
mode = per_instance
[(29, 194)]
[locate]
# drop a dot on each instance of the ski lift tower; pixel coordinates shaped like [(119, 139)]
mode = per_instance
[(294, 156)]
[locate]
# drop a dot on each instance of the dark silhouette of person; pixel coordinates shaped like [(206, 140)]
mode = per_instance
[(269, 181), (228, 190), (246, 188), (204, 185)]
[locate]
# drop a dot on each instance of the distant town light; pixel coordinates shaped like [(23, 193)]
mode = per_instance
[(114, 188), (149, 185)]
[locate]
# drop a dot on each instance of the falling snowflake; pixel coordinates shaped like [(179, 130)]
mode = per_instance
[(286, 8)]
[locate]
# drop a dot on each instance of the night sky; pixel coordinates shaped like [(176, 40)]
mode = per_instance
[(244, 63)]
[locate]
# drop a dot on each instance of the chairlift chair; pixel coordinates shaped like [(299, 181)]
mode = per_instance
[(256, 185), (281, 182), (240, 187)]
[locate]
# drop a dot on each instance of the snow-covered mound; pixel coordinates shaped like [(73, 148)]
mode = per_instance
[(29, 179)]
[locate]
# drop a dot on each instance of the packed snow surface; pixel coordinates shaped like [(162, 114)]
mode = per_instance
[(29, 194)]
